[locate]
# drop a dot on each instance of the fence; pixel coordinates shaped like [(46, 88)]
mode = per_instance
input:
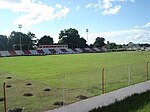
[(121, 76), (54, 91)]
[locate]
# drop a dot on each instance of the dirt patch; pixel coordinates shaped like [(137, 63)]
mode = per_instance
[(82, 97), (8, 86), (47, 89), (9, 77), (28, 84), (15, 110), (1, 99), (28, 94), (59, 103)]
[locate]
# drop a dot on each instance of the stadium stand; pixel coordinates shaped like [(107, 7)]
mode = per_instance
[(53, 51), (19, 52), (74, 50), (79, 50), (97, 49), (4, 53), (34, 52), (70, 51), (103, 49), (58, 51), (41, 52), (64, 51), (86, 50), (93, 50), (12, 53), (47, 51), (27, 52)]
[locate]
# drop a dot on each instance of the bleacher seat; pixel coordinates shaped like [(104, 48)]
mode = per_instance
[(34, 52), (12, 53), (27, 52), (85, 50), (58, 51), (4, 53), (19, 52), (70, 51), (40, 52), (46, 51), (64, 50), (52, 51), (93, 50), (79, 50), (74, 50), (97, 49)]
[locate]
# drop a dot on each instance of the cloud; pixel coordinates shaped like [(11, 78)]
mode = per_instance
[(95, 6), (132, 1), (111, 11), (140, 37), (89, 5), (107, 7), (147, 25), (78, 7), (121, 37), (136, 26), (58, 6), (33, 12)]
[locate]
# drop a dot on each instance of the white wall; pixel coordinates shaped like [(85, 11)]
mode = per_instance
[(105, 99)]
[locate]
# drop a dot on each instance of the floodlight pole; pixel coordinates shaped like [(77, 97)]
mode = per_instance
[(20, 26), (87, 30)]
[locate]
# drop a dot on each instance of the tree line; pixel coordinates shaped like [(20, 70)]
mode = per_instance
[(71, 37)]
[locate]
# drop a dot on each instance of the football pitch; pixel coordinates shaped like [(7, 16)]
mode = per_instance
[(67, 76)]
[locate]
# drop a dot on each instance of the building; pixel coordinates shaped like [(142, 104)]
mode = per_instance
[(52, 46)]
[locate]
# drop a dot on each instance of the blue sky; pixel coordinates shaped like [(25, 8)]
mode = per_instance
[(119, 21)]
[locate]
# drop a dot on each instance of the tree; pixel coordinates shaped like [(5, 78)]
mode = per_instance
[(33, 39), (45, 40), (72, 38), (15, 38), (31, 35), (82, 43), (99, 42), (112, 46), (3, 42)]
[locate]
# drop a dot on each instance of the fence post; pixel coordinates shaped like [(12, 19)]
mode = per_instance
[(147, 71), (63, 91), (103, 81), (4, 87), (129, 74)]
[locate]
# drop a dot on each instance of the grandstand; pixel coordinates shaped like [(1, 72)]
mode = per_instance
[(49, 51)]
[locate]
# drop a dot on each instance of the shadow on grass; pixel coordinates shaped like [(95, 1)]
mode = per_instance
[(129, 104)]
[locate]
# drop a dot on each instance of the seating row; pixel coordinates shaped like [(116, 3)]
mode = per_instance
[(45, 51)]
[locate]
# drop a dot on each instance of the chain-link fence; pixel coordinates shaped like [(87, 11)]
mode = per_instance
[(32, 96), (124, 75)]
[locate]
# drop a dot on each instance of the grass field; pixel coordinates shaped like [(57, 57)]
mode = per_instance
[(134, 103), (82, 74)]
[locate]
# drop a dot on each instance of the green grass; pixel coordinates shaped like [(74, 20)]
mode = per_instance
[(82, 75), (134, 103)]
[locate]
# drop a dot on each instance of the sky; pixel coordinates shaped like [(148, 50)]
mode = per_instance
[(119, 21)]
